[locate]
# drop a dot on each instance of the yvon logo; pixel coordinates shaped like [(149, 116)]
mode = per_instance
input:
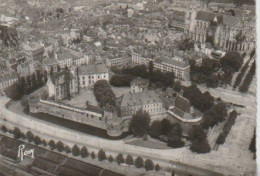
[(22, 152)]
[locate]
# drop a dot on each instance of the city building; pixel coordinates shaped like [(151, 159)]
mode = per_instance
[(33, 50), (7, 79), (26, 69), (177, 65), (183, 111), (139, 85), (118, 60), (89, 74), (61, 85), (148, 101), (222, 31), (177, 20)]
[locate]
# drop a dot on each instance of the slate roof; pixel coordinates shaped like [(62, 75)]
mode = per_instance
[(226, 20), (92, 69), (172, 62), (56, 76), (140, 98), (232, 21), (182, 103)]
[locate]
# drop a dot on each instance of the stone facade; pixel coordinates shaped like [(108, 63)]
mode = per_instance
[(62, 85), (223, 31)]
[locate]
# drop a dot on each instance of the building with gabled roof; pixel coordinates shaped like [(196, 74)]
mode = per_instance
[(89, 74), (61, 85), (147, 100), (183, 111), (223, 31)]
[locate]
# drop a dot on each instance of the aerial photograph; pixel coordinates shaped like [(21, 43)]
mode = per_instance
[(128, 88)]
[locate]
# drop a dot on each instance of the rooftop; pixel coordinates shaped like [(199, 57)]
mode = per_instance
[(92, 69), (140, 98)]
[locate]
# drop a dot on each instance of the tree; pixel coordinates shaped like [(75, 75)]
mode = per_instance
[(4, 129), (139, 162), (29, 136), (232, 60), (119, 80), (174, 136), (150, 72), (110, 159), (84, 152), (45, 76), (215, 115), (120, 159), (14, 92), (140, 122), (17, 133), (177, 86), (166, 126), (101, 155), (200, 146), (67, 149), (60, 146), (104, 94), (148, 165), (37, 140), (157, 167), (252, 146), (196, 132), (52, 145), (199, 140), (44, 143), (156, 129), (202, 101), (129, 160), (75, 150), (24, 101), (40, 78), (58, 68), (93, 156)]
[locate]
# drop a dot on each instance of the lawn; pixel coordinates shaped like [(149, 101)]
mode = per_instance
[(149, 143), (80, 99), (119, 91)]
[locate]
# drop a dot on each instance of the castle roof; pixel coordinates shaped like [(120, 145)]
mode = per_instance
[(140, 98), (182, 103)]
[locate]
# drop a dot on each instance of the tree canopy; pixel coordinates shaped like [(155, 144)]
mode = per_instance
[(140, 123)]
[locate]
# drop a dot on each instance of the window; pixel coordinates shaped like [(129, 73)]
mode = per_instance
[(104, 76), (98, 76), (83, 82)]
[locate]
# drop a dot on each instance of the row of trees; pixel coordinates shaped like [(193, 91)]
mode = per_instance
[(119, 80), (104, 94), (156, 77), (249, 77), (215, 72), (26, 85), (83, 152), (241, 74), (227, 127), (202, 101)]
